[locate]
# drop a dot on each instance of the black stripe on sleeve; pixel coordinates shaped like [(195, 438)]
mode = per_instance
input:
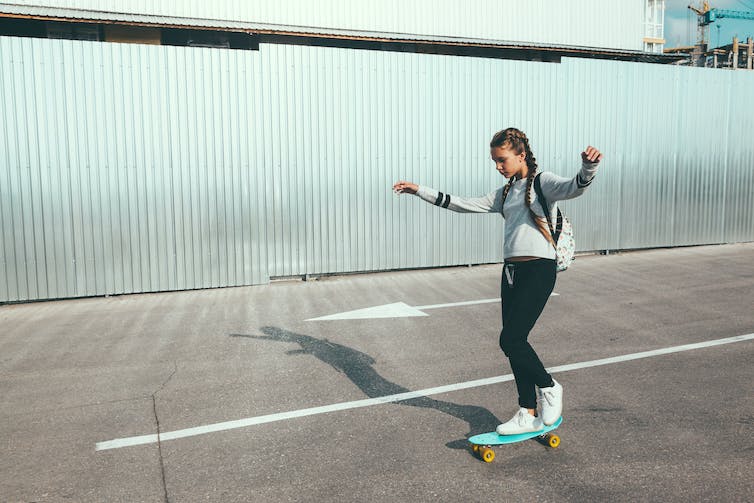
[(581, 183), (438, 201), (447, 201)]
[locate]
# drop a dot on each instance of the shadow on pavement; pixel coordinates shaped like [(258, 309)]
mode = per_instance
[(358, 367)]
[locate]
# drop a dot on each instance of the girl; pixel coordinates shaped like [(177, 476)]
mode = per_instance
[(530, 266)]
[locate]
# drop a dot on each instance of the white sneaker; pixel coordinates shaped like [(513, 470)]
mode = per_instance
[(522, 422), (550, 402)]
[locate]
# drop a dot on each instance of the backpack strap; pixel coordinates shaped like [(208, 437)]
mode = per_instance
[(554, 230)]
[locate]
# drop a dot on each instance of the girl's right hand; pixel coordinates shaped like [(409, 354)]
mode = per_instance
[(404, 187)]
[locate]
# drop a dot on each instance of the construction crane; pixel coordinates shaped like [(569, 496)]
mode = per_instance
[(708, 15)]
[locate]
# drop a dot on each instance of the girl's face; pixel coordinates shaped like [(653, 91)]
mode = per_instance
[(508, 163)]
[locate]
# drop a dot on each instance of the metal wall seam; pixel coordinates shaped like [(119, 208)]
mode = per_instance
[(8, 271)]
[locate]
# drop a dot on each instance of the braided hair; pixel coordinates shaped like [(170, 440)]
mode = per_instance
[(515, 140)]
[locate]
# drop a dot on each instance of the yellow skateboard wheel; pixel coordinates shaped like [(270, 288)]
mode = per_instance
[(553, 441), (475, 447), (487, 455)]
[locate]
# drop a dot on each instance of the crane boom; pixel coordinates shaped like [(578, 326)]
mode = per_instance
[(708, 15), (712, 14)]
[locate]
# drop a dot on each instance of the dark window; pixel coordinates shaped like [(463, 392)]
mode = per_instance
[(74, 31), (11, 27), (207, 38), (127, 33)]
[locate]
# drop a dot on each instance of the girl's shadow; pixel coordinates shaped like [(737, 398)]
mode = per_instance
[(358, 367)]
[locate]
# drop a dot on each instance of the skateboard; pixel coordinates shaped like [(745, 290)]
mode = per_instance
[(482, 444)]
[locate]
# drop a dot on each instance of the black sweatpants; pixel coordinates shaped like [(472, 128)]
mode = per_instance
[(526, 288)]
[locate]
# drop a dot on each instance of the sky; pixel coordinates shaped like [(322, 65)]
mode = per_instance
[(680, 23)]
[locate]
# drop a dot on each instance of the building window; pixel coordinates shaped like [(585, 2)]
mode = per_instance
[(123, 33), (74, 31), (206, 38), (654, 18)]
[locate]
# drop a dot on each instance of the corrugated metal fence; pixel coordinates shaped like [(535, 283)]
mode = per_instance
[(128, 168)]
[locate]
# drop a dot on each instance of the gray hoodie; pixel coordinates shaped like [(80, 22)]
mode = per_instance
[(522, 236)]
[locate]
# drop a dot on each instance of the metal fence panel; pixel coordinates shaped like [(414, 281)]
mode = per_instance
[(127, 168), (738, 220)]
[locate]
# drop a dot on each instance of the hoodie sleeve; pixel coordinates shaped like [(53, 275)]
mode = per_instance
[(558, 188), (491, 203)]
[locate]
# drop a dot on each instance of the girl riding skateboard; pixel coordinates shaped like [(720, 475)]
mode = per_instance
[(529, 269)]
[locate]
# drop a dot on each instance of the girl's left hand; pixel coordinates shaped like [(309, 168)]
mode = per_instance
[(591, 155), (404, 187)]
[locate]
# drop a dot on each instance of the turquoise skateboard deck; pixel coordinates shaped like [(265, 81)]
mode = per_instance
[(482, 444)]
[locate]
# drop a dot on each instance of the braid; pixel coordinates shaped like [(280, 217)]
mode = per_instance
[(541, 222), (507, 188), (531, 161), (530, 188)]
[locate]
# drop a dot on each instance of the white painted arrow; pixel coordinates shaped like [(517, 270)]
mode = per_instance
[(397, 310)]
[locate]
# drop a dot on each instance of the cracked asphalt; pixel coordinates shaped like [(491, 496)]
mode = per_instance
[(159, 431), (675, 427)]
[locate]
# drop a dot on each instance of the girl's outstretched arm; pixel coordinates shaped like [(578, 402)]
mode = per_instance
[(558, 188), (490, 203)]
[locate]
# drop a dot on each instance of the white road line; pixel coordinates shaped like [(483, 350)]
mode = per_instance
[(241, 423)]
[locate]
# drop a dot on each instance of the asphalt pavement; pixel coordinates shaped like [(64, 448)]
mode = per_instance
[(256, 400)]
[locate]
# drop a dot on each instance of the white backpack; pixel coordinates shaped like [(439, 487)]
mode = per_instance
[(561, 234)]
